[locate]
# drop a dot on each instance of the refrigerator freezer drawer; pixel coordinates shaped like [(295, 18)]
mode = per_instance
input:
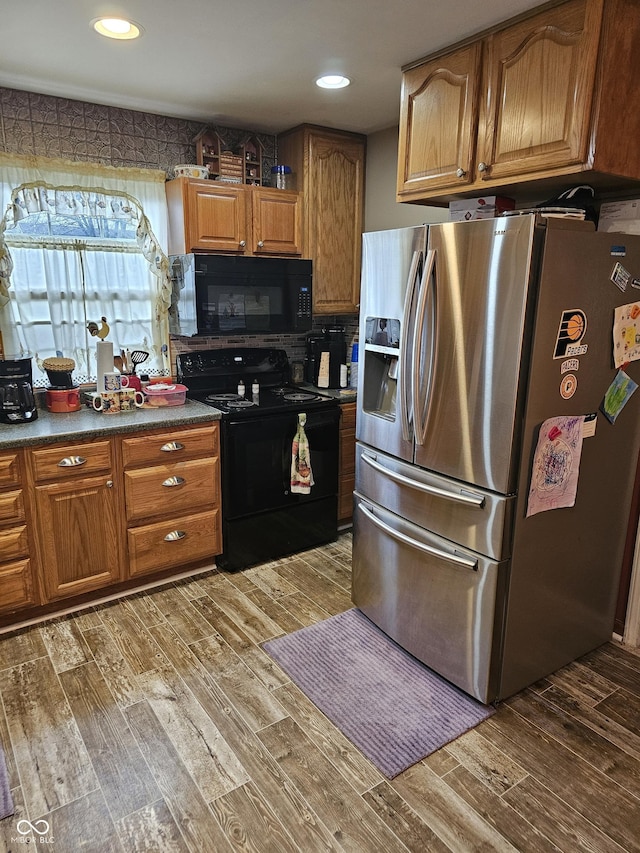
[(473, 517), (441, 603)]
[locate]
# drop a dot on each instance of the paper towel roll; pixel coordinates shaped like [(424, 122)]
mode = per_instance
[(104, 360)]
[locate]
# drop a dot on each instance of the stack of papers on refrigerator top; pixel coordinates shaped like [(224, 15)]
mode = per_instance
[(621, 216), (479, 208)]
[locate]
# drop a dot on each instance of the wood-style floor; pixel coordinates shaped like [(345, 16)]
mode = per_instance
[(157, 723)]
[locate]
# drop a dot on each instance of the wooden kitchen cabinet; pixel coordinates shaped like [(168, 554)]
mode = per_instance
[(529, 107), (329, 166), (213, 216), (347, 469), (172, 498), (17, 586), (77, 515)]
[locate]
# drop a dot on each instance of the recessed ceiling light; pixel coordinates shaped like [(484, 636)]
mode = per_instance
[(116, 28), (332, 81)]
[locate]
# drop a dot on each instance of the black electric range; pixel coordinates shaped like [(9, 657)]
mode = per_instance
[(263, 516), (212, 377)]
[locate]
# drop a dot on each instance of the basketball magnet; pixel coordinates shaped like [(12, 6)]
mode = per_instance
[(571, 331), (568, 386)]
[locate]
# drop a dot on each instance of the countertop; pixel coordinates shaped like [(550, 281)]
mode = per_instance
[(87, 424)]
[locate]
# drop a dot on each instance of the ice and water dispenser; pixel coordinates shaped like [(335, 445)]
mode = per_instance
[(380, 378)]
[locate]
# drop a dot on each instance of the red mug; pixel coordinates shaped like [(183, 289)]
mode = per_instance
[(63, 400)]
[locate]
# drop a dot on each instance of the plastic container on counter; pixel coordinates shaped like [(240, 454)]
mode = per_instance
[(163, 394)]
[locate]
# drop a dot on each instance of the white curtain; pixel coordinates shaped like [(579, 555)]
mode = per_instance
[(50, 289)]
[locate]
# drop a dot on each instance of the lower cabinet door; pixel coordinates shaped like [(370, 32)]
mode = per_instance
[(80, 549), (176, 542)]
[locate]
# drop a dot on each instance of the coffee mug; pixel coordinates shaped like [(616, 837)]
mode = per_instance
[(111, 402), (130, 399), (114, 381)]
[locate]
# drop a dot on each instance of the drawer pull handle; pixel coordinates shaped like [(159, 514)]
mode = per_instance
[(172, 446), (71, 461), (175, 536), (174, 481)]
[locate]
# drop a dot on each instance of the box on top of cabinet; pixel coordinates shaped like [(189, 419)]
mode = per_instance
[(485, 207)]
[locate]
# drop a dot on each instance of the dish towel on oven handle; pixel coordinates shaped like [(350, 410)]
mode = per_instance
[(301, 474)]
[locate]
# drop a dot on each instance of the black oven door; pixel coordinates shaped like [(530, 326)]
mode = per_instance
[(256, 464), (261, 519)]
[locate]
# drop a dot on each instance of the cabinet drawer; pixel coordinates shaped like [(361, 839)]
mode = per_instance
[(11, 506), (14, 543), (169, 447), (173, 543), (9, 469), (61, 462), (170, 489), (16, 586)]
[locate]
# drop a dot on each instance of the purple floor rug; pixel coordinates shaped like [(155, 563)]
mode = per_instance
[(6, 802), (388, 704)]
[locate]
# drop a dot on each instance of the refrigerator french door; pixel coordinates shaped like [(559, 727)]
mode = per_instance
[(445, 559)]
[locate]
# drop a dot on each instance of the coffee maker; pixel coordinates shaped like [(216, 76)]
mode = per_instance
[(17, 403), (327, 345)]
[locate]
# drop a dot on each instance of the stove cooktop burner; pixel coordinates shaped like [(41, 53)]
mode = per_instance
[(221, 398), (240, 404), (300, 396)]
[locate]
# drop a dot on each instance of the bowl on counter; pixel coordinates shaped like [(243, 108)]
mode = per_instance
[(164, 394)]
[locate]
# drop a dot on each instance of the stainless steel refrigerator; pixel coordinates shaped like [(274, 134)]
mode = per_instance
[(472, 336)]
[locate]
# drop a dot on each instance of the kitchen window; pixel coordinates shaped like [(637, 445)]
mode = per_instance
[(76, 247)]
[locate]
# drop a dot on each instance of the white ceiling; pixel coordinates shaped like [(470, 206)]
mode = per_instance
[(248, 63)]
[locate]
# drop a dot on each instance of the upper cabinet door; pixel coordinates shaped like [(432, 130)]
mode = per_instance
[(438, 120), (277, 222), (539, 80), (217, 218)]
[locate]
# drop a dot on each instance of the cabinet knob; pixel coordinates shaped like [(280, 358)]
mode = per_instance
[(243, 243), (261, 244), (71, 461), (109, 484), (460, 173), (174, 481), (175, 536), (172, 446), (482, 167)]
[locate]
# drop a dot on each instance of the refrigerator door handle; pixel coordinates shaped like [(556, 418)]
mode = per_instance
[(458, 559), (405, 368), (428, 282), (468, 498)]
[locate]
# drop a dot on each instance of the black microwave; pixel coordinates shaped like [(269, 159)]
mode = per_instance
[(227, 295)]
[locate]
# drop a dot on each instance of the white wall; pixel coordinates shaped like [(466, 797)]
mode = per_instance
[(381, 210)]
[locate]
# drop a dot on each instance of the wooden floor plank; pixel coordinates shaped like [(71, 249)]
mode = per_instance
[(402, 820), (448, 815), (132, 639), (84, 824), (20, 647), (192, 815), (115, 669), (122, 773), (624, 708), (571, 778), (52, 759), (180, 613), (253, 622), (151, 830), (349, 819), (496, 770), (570, 831)]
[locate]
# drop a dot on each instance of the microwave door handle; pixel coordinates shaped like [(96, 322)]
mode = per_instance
[(458, 559), (405, 364), (464, 497), (420, 411)]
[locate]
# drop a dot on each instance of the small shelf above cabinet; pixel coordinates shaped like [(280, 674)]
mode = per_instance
[(243, 164)]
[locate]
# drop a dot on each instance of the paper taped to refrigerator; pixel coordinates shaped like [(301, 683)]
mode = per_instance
[(556, 464), (626, 333)]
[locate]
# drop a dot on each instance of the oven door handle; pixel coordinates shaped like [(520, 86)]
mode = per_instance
[(456, 558)]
